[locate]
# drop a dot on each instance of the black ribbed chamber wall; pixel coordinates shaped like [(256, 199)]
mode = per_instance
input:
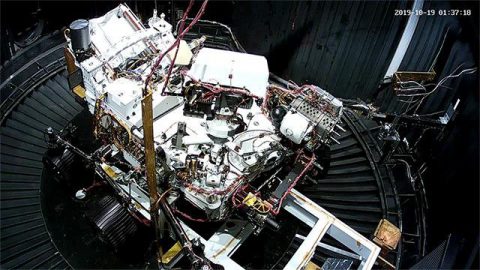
[(344, 47), (442, 44)]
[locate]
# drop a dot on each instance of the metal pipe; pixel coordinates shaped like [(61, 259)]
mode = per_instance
[(181, 234), (405, 40)]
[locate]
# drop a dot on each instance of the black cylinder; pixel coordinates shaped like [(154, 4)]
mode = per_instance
[(272, 224), (80, 36), (277, 115)]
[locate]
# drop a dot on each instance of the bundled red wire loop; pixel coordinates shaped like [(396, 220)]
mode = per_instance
[(185, 215), (175, 44)]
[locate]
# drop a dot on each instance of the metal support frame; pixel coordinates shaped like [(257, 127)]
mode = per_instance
[(221, 246), (333, 249), (223, 243)]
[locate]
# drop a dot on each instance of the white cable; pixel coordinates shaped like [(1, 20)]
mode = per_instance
[(465, 71)]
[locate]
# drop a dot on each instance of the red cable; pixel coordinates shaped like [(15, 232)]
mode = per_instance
[(310, 163), (177, 41), (189, 217), (180, 36), (159, 59)]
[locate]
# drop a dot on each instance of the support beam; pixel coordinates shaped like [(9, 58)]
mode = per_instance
[(221, 246)]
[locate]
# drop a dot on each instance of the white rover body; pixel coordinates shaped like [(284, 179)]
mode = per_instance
[(212, 150)]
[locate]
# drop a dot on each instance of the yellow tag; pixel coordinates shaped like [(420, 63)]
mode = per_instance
[(79, 91), (171, 253), (250, 199), (109, 171), (311, 266)]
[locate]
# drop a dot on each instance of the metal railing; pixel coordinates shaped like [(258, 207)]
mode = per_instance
[(19, 91)]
